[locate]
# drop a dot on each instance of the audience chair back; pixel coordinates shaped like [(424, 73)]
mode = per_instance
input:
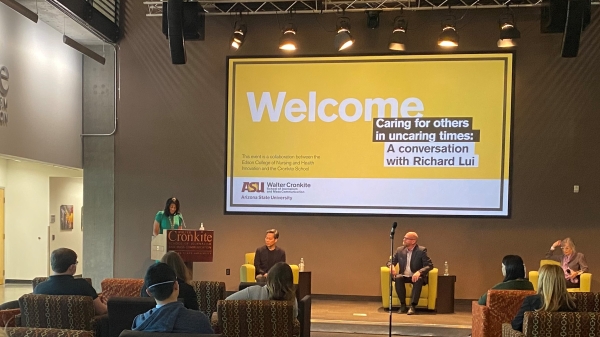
[(129, 333), (502, 306), (57, 311), (208, 293), (254, 318), (121, 287), (587, 302), (8, 317), (46, 332), (544, 323)]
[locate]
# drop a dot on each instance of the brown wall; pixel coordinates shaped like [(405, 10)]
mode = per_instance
[(171, 142)]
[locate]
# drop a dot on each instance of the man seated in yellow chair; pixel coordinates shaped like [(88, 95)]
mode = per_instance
[(268, 255), (419, 265), (572, 262)]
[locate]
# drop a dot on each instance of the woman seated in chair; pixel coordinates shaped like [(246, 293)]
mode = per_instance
[(573, 263), (279, 287), (552, 295), (513, 271), (186, 291)]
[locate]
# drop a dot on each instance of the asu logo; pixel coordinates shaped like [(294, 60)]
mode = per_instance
[(253, 187)]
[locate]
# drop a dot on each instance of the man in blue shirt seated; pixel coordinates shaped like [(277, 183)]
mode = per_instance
[(169, 315), (64, 265)]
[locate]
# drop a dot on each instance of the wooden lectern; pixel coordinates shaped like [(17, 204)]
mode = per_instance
[(192, 245)]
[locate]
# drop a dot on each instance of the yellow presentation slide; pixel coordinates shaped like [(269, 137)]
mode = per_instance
[(408, 134)]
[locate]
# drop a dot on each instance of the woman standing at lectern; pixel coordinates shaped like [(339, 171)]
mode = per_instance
[(169, 218)]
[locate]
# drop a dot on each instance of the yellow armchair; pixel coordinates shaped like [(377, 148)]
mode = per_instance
[(585, 279), (248, 271), (428, 293)]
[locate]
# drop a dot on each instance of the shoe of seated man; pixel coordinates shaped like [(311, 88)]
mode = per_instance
[(411, 310), (403, 309)]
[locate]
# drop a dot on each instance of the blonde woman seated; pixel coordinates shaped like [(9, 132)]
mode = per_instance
[(552, 295), (279, 287), (573, 262)]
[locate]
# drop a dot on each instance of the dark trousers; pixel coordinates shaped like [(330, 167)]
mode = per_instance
[(401, 289)]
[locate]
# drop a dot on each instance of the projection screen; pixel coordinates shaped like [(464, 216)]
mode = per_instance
[(409, 134)]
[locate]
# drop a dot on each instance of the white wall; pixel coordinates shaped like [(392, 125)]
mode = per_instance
[(27, 217), (67, 191), (3, 168), (44, 92)]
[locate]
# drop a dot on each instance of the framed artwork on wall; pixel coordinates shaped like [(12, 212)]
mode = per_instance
[(66, 217)]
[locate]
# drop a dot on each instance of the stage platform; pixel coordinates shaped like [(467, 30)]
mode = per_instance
[(367, 317)]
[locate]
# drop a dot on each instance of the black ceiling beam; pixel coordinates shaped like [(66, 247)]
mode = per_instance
[(86, 15)]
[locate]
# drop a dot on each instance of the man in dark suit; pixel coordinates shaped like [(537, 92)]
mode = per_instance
[(419, 264)]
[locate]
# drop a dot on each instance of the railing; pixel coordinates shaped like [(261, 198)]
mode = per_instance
[(329, 6)]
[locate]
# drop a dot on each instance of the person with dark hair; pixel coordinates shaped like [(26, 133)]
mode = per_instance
[(513, 271), (279, 287), (268, 255), (572, 262), (186, 291), (169, 315), (169, 218), (552, 295), (63, 262)]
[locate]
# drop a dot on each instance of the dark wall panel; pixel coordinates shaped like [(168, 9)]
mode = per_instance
[(171, 142)]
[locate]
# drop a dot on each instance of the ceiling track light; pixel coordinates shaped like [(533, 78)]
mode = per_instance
[(508, 31), (239, 35), (343, 39), (288, 39), (449, 37), (398, 38)]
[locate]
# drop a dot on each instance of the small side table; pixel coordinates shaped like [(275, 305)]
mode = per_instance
[(445, 294), (304, 285)]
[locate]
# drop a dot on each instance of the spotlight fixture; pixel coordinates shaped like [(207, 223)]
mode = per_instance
[(239, 34), (449, 37), (343, 39), (373, 19), (398, 38), (508, 32), (288, 38)]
